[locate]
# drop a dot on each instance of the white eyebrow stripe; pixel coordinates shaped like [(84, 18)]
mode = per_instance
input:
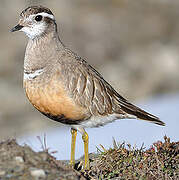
[(42, 14), (46, 15)]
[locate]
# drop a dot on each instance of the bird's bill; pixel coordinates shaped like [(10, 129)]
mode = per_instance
[(16, 28)]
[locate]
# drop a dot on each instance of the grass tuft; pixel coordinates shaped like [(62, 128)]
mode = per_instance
[(160, 161)]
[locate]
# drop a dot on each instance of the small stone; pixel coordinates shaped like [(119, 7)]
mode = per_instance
[(38, 173), (19, 159), (2, 173)]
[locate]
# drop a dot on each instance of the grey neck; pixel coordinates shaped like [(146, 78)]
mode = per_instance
[(41, 52)]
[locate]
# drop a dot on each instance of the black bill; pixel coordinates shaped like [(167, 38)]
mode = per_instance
[(16, 28)]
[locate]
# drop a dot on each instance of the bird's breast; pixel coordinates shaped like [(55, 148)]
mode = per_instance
[(52, 99)]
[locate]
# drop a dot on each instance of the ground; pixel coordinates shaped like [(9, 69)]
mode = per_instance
[(122, 161)]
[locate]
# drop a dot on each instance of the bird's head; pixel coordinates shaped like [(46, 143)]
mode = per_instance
[(35, 21)]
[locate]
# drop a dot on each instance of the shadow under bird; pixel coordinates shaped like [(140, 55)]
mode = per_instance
[(63, 86)]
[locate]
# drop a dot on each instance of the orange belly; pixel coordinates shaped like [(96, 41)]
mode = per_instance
[(52, 99)]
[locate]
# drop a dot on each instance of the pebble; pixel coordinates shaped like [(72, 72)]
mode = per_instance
[(19, 159), (38, 173), (2, 173)]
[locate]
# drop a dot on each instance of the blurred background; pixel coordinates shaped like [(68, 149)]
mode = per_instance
[(133, 44)]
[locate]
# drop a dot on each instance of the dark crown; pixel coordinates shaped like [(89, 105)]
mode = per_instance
[(35, 10)]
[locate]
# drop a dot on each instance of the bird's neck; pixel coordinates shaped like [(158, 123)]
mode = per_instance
[(41, 52)]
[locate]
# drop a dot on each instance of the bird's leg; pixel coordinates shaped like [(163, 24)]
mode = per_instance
[(85, 140), (73, 142)]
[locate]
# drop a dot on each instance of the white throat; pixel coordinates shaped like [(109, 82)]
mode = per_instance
[(35, 30)]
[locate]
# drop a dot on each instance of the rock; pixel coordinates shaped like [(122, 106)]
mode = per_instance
[(38, 173), (33, 165), (2, 173), (19, 159)]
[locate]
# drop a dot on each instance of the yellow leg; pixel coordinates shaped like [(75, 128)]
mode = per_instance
[(73, 142), (85, 140)]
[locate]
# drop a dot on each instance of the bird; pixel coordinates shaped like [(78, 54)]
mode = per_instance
[(63, 86)]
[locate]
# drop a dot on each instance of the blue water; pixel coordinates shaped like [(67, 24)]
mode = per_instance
[(135, 132)]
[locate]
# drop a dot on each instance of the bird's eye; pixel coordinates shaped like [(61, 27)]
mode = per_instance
[(38, 18)]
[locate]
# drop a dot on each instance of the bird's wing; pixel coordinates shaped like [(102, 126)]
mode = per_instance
[(86, 86), (88, 89)]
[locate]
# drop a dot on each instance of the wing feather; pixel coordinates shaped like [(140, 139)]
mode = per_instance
[(89, 89)]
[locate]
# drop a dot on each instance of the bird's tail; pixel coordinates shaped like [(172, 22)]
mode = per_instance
[(139, 113)]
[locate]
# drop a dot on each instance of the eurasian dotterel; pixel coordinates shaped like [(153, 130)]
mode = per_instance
[(63, 86)]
